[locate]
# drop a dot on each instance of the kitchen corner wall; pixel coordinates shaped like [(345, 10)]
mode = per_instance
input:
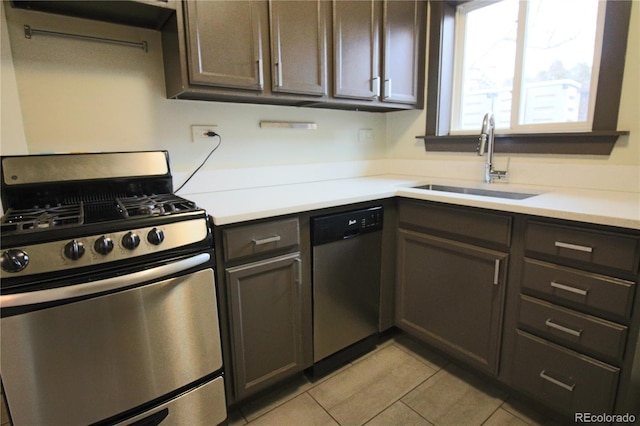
[(11, 125), (86, 96)]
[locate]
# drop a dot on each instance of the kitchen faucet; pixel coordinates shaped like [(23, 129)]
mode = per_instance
[(487, 142)]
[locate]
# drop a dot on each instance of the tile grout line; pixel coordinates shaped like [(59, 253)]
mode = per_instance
[(419, 415), (292, 396), (492, 413), (419, 358), (399, 399), (411, 354), (322, 406), (346, 367)]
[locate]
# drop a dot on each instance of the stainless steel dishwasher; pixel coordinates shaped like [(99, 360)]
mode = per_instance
[(346, 283)]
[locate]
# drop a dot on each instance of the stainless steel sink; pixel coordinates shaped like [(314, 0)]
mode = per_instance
[(477, 191)]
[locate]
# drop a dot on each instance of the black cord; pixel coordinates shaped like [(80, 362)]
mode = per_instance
[(210, 134)]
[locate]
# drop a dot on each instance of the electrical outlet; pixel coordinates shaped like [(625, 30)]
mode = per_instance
[(199, 132)]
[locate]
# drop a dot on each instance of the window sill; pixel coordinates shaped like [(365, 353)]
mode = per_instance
[(585, 143)]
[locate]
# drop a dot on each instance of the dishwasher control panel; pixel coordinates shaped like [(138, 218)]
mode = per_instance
[(340, 226)]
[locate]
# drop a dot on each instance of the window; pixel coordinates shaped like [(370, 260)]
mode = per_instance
[(536, 76), (542, 74)]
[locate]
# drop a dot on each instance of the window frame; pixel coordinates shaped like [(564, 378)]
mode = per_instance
[(599, 141)]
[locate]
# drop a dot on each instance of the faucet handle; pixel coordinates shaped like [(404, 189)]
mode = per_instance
[(500, 174)]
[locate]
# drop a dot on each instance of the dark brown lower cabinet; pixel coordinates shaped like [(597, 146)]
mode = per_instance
[(450, 294), (564, 330), (266, 314), (563, 379), (571, 328)]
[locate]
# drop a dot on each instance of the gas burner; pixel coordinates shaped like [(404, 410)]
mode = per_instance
[(35, 219), (154, 205), (46, 218)]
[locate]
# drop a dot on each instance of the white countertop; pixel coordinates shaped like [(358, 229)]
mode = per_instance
[(620, 209)]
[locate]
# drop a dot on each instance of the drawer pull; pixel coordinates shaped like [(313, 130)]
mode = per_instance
[(569, 288), (550, 323), (267, 240), (545, 376), (574, 247)]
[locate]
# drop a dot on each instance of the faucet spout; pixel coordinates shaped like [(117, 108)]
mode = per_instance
[(486, 144)]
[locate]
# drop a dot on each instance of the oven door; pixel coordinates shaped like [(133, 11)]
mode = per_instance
[(140, 341)]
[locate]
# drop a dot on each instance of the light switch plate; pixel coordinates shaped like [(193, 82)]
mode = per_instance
[(365, 135)]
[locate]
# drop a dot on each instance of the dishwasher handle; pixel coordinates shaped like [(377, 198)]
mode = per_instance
[(351, 234)]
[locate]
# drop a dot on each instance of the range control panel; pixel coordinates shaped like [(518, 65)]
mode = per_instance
[(340, 226)]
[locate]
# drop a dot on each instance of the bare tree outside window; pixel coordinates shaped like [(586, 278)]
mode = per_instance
[(530, 62)]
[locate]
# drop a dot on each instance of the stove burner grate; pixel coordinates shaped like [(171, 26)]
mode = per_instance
[(154, 205), (85, 212), (42, 218)]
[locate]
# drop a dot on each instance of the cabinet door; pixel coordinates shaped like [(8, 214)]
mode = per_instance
[(265, 300), (402, 26), (356, 27), (299, 46), (450, 295), (224, 41)]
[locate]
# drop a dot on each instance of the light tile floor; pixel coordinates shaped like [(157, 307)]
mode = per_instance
[(399, 383)]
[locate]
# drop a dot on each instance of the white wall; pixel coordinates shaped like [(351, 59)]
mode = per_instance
[(12, 138), (87, 96)]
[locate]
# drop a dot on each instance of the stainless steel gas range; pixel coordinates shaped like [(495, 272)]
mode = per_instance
[(108, 301)]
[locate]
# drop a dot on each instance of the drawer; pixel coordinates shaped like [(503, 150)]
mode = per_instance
[(451, 221), (563, 379), (261, 238), (591, 247), (582, 290), (597, 337)]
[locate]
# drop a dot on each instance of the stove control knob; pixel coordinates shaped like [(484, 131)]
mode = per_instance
[(155, 236), (74, 250), (130, 241), (103, 245), (14, 260)]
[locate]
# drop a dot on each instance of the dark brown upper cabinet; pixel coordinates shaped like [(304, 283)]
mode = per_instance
[(356, 35), (365, 55), (299, 46), (224, 44), (378, 50), (403, 66)]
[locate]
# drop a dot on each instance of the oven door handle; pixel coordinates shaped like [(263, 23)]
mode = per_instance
[(109, 284)]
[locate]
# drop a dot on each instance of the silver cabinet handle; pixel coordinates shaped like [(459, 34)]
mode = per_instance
[(108, 284), (267, 240), (496, 272), (260, 73), (298, 271), (549, 323), (545, 376), (575, 247), (375, 86), (569, 288), (387, 88), (278, 69)]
